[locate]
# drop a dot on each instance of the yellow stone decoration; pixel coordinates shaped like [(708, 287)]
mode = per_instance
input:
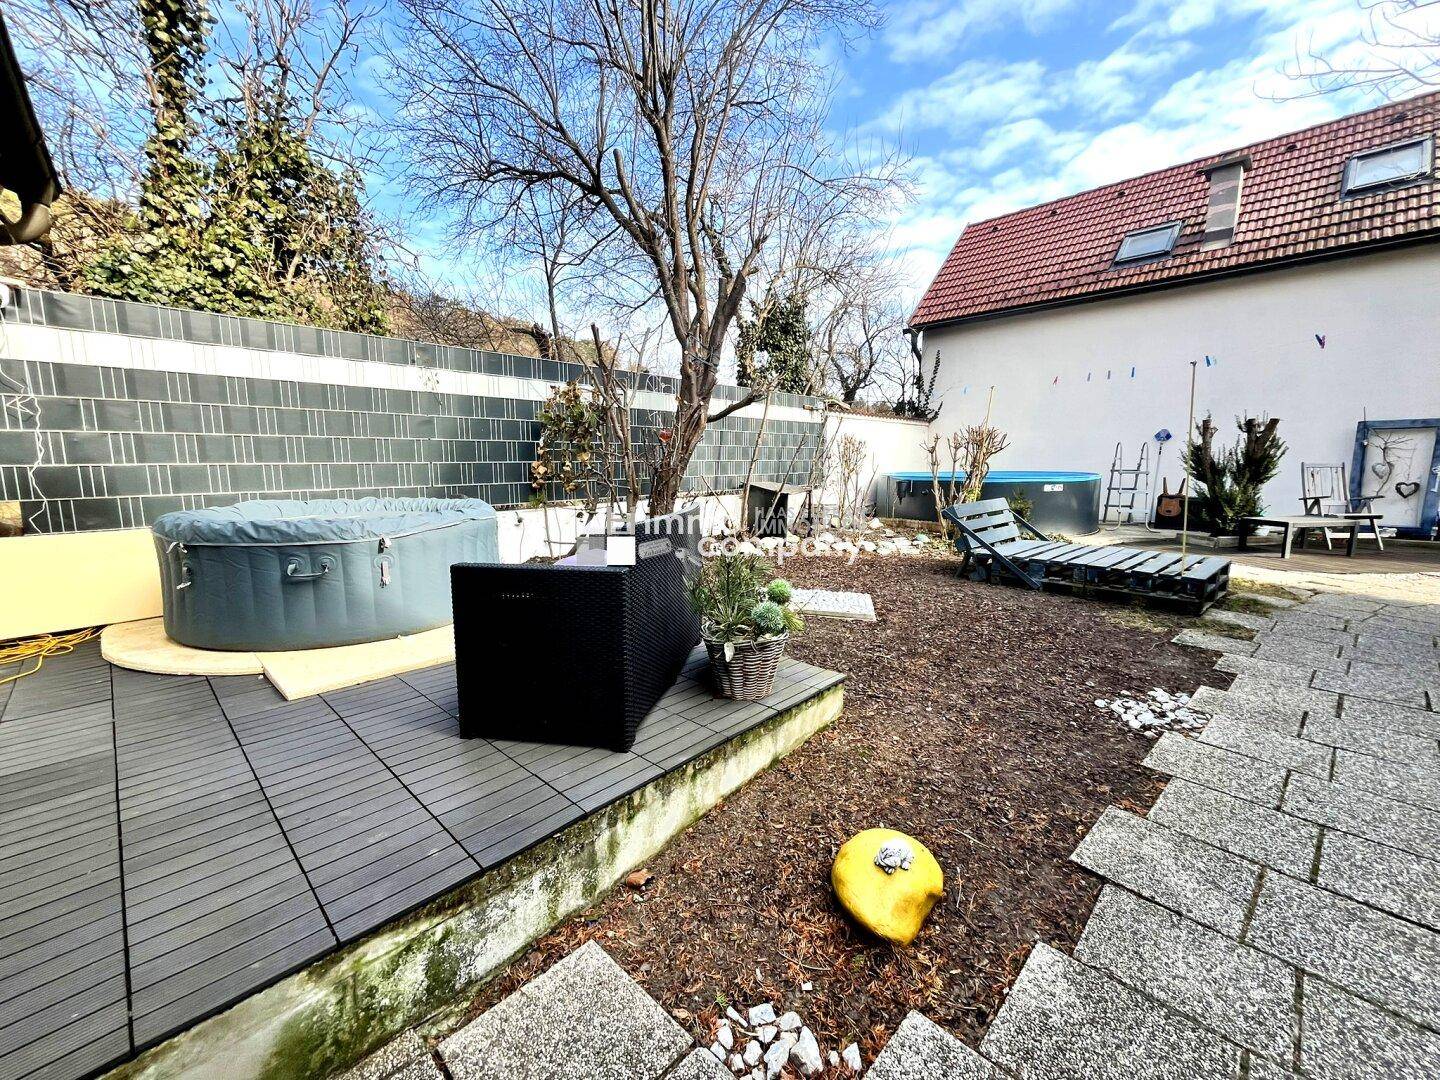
[(893, 906)]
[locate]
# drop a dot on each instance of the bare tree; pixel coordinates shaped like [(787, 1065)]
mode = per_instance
[(859, 337), (695, 128), (1395, 53)]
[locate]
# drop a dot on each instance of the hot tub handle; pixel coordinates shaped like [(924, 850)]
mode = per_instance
[(292, 571)]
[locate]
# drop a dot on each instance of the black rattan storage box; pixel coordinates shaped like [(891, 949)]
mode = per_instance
[(569, 654)]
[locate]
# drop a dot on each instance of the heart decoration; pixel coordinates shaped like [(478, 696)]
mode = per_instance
[(1382, 469), (1406, 488)]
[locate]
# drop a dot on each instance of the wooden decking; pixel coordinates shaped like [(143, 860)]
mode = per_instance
[(1314, 558), (170, 845)]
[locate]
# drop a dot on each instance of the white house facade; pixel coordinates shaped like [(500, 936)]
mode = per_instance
[(1340, 342)]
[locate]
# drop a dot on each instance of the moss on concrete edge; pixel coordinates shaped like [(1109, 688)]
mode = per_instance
[(420, 969)]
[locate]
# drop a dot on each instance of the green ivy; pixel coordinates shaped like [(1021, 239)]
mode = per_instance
[(781, 328), (263, 229)]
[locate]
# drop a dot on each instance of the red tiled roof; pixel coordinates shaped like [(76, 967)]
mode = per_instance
[(1290, 208)]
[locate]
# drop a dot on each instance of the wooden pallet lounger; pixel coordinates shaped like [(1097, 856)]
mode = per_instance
[(999, 545)]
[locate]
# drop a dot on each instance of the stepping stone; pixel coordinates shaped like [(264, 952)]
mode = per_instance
[(584, 1019), (1356, 734), (1261, 714), (1323, 635), (1242, 828), (1276, 696), (1242, 993), (1415, 784), (1311, 654), (1414, 652), (834, 605), (1305, 617), (1395, 881), (1268, 672), (1210, 886), (1065, 1021), (1347, 1038), (1353, 810), (700, 1065), (1362, 950), (1282, 750), (922, 1050), (1399, 686), (1242, 619), (405, 1058), (1392, 717), (1199, 639), (1243, 777)]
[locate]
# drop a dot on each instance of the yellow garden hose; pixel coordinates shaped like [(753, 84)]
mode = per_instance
[(40, 649)]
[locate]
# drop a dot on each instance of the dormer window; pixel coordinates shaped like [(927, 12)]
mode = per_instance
[(1153, 243), (1389, 167)]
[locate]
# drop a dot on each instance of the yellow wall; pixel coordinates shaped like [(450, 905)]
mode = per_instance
[(71, 580)]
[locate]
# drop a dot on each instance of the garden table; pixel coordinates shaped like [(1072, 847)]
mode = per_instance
[(1292, 525)]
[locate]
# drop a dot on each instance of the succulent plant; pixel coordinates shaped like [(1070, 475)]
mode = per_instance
[(768, 618)]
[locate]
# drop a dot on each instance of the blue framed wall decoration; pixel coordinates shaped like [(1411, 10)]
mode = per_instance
[(1429, 482)]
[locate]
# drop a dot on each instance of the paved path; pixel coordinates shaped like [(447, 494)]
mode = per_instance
[(1277, 913)]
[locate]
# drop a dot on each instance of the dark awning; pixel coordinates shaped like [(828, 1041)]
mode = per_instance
[(25, 165)]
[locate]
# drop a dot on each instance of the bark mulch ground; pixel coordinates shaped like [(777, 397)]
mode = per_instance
[(970, 723)]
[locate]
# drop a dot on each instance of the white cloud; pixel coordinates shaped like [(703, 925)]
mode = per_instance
[(973, 96), (934, 29)]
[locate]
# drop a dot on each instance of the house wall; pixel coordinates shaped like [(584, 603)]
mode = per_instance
[(1379, 315)]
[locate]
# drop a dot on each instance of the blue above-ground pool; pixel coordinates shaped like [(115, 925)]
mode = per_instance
[(1061, 502)]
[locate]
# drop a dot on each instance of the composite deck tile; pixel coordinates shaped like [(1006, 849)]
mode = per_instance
[(254, 835)]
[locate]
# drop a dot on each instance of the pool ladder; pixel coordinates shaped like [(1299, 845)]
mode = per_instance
[(1128, 489)]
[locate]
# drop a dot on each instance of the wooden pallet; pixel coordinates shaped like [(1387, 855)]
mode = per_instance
[(995, 548)]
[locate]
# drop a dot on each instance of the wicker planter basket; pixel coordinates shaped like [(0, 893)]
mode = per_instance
[(749, 674)]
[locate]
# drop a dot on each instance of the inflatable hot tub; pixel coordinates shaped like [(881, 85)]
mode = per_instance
[(263, 576)]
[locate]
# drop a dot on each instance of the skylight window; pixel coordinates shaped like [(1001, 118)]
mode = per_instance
[(1390, 166), (1151, 243)]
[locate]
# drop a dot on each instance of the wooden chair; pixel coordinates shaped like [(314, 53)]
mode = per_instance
[(1325, 492)]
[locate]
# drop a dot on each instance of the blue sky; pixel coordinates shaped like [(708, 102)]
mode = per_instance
[(1007, 103)]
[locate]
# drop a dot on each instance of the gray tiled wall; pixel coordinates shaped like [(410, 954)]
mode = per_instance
[(116, 447)]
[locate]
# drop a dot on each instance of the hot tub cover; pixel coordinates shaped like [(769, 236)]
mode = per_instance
[(317, 521)]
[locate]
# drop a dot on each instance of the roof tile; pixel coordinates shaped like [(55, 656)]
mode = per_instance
[(1290, 207)]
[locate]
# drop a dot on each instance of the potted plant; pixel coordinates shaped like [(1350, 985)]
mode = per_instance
[(745, 622)]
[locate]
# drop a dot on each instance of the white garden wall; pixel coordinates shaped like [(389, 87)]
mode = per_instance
[(1379, 315), (893, 445)]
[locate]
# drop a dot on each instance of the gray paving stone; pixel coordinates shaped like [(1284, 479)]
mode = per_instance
[(1270, 672), (1238, 826), (1243, 777), (584, 1019), (1305, 616), (1278, 696), (1240, 992), (1393, 717), (1199, 639), (1369, 738), (700, 1065), (1378, 956), (1418, 785), (1354, 810), (1404, 652), (1210, 886), (1301, 653), (1304, 632), (1243, 619), (922, 1050), (1265, 1069), (1343, 603), (1064, 1021), (1217, 703), (1347, 1038), (1399, 882), (1241, 737), (406, 1057), (1399, 686)]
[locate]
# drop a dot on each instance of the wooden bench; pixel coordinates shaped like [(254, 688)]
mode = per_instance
[(999, 545), (1299, 525)]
